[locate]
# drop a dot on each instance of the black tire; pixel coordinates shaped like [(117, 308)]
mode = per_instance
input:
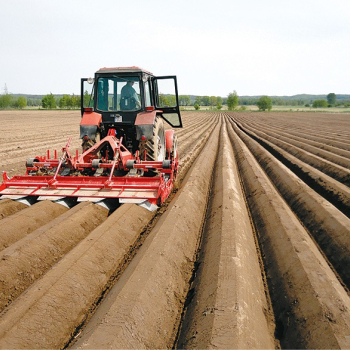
[(155, 147)]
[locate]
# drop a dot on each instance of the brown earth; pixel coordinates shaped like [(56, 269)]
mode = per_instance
[(253, 251)]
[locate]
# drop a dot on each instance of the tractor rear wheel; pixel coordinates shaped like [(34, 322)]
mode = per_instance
[(87, 144), (154, 147)]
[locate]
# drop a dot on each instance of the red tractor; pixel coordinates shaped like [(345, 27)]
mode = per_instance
[(127, 153)]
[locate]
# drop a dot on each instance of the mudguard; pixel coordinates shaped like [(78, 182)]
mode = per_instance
[(89, 131), (144, 124), (89, 124), (169, 140)]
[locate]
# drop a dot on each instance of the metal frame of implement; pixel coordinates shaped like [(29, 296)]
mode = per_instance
[(133, 188)]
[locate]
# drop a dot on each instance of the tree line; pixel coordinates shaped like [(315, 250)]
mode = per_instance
[(232, 101), (266, 102), (64, 102), (48, 102), (7, 101), (330, 100)]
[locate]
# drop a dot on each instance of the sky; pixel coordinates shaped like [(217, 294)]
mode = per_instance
[(255, 47)]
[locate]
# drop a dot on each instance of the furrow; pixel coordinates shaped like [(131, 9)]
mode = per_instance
[(312, 309), (227, 302)]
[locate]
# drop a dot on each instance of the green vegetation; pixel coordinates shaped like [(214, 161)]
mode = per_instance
[(232, 100), (319, 104), (48, 102), (211, 101), (337, 103), (70, 102), (184, 100), (14, 101), (22, 102), (8, 101), (264, 103), (331, 98), (5, 101), (167, 100), (86, 100), (295, 100)]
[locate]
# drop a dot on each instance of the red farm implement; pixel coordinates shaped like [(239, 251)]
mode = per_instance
[(107, 170)]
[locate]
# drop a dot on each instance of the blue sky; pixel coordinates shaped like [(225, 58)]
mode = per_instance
[(214, 47)]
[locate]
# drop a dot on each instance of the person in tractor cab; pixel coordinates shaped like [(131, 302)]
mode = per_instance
[(129, 99)]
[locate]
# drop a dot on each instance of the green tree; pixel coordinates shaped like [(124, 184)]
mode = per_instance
[(69, 102), (213, 100), (22, 102), (218, 105), (86, 100), (48, 102), (73, 101), (198, 100), (196, 106), (320, 103), (232, 100), (65, 101), (172, 100), (5, 101), (77, 101), (219, 100), (62, 102), (163, 100), (331, 98), (184, 100), (206, 100), (34, 102), (264, 103)]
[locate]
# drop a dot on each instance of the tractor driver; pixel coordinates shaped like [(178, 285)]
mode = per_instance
[(129, 99)]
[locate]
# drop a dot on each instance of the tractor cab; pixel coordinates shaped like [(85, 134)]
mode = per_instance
[(125, 99)]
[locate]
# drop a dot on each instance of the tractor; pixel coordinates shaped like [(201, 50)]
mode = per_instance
[(127, 154)]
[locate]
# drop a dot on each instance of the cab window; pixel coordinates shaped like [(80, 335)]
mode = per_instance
[(118, 94), (148, 102)]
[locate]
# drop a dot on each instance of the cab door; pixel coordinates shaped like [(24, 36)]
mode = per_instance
[(86, 93), (167, 100)]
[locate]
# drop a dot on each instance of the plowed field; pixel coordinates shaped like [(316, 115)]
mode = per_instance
[(252, 251)]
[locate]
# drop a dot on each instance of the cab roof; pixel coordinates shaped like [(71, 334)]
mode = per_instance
[(132, 69)]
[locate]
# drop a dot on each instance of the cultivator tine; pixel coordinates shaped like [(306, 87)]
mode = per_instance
[(67, 202), (28, 200), (149, 206)]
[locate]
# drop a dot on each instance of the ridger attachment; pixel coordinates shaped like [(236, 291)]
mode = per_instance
[(106, 170)]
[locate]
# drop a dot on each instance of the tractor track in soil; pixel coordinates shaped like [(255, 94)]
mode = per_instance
[(252, 251)]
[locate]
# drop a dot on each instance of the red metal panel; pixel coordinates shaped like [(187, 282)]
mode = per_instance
[(91, 118), (169, 137), (145, 118), (122, 69)]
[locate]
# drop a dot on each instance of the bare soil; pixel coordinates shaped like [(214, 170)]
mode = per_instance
[(253, 251)]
